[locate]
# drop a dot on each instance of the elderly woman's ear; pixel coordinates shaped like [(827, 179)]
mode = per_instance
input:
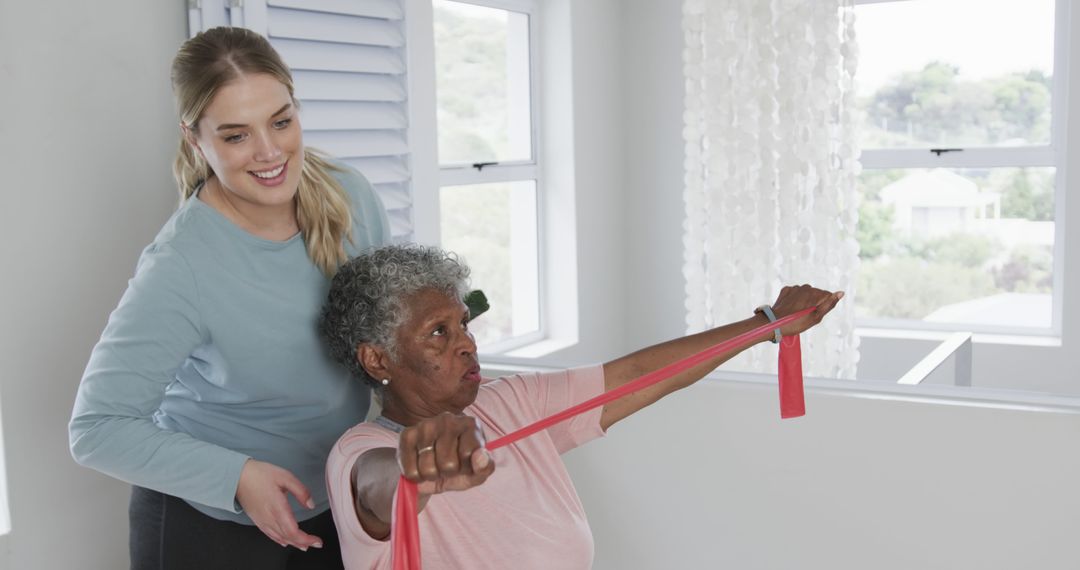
[(373, 359)]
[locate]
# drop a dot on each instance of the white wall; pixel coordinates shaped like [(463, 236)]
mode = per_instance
[(86, 136), (583, 160), (711, 478), (653, 91)]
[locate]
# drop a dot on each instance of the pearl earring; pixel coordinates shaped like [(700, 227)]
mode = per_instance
[(385, 381)]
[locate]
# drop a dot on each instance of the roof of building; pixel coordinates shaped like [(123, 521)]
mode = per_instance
[(936, 187)]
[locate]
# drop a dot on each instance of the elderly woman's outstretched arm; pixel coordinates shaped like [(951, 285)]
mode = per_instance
[(624, 369)]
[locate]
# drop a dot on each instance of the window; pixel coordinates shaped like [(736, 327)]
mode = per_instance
[(489, 180), (962, 137)]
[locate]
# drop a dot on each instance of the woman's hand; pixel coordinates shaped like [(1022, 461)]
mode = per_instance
[(444, 453), (796, 298), (263, 493)]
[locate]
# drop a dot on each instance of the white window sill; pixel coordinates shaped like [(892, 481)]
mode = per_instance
[(526, 355), (988, 398), (925, 393), (978, 338)]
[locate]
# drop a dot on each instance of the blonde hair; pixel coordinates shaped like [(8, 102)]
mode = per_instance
[(202, 66)]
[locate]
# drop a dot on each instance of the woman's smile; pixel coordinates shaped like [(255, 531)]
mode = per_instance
[(271, 177)]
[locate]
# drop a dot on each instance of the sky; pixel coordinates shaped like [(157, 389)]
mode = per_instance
[(983, 37)]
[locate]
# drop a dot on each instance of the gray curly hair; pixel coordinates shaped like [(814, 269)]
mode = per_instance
[(366, 303)]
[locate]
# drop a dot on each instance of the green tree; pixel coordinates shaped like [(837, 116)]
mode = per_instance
[(875, 230), (871, 182), (936, 106), (1028, 194), (910, 288), (1029, 269), (1022, 102), (960, 249), (470, 66)]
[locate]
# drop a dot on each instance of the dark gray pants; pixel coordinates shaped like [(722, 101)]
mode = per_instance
[(168, 534)]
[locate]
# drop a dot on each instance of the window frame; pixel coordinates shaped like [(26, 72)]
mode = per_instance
[(1048, 155), (513, 171)]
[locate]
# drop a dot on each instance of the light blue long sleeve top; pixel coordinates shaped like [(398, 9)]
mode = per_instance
[(213, 356)]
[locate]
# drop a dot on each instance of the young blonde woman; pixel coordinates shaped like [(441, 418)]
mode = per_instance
[(210, 390)]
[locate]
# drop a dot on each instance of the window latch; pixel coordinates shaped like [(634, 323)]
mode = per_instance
[(479, 166), (938, 151)]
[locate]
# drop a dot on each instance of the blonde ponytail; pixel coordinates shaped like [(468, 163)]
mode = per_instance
[(322, 210), (189, 170)]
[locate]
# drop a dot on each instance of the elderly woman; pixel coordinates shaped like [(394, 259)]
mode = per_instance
[(396, 319)]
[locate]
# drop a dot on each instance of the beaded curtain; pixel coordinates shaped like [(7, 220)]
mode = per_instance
[(771, 162)]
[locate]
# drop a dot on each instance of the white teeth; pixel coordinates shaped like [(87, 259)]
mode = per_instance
[(270, 173)]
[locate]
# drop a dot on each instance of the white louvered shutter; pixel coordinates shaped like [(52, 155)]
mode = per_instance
[(348, 62)]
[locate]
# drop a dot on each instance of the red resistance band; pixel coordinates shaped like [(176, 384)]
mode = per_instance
[(405, 529)]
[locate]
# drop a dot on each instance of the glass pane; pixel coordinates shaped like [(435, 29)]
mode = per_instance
[(955, 73), (493, 228), (482, 79), (965, 246)]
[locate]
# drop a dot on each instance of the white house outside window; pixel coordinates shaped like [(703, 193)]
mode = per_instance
[(962, 138)]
